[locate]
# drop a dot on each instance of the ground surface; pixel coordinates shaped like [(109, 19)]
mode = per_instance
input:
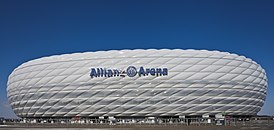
[(133, 127)]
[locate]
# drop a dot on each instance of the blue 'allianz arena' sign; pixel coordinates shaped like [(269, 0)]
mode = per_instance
[(131, 71)]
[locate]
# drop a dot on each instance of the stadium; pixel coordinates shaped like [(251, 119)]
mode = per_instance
[(137, 84)]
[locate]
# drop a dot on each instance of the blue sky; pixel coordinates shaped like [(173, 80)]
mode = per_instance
[(31, 29)]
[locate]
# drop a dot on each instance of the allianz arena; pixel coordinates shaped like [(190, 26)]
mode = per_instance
[(137, 83)]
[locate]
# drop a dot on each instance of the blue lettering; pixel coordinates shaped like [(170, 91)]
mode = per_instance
[(109, 73), (116, 72), (103, 72), (158, 71), (141, 71), (93, 73), (147, 71), (98, 72), (152, 71), (165, 72)]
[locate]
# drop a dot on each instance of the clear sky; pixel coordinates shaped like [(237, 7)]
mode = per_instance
[(31, 29)]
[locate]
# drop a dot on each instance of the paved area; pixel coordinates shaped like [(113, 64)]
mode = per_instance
[(132, 127)]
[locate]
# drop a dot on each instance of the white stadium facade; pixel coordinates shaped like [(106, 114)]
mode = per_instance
[(137, 83)]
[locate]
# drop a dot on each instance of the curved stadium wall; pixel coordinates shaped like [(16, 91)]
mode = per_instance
[(110, 83)]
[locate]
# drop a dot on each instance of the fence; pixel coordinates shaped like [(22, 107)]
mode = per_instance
[(146, 121)]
